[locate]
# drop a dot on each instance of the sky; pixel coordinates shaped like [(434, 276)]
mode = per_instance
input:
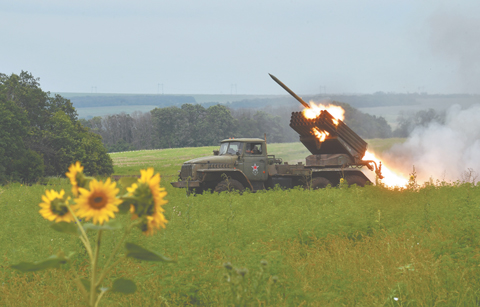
[(230, 46)]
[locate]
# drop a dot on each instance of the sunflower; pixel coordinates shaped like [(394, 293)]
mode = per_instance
[(54, 207), (153, 181), (150, 199), (75, 172), (153, 222), (99, 203)]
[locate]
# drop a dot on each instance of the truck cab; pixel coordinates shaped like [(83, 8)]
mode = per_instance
[(251, 157), (239, 163)]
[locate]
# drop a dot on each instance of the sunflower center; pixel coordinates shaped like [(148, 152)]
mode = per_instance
[(58, 207), (98, 201)]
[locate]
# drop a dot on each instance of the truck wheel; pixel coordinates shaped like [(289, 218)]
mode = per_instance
[(229, 185), (355, 179), (194, 191), (319, 183)]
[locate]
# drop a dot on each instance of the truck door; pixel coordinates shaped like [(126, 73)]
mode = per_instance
[(255, 161)]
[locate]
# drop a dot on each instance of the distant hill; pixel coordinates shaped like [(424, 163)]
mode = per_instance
[(129, 100)]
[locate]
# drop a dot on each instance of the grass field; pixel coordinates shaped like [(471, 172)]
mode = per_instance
[(333, 247)]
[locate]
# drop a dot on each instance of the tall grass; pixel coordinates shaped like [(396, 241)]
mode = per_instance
[(339, 246)]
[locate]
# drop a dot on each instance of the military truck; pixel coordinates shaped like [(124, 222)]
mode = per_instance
[(242, 163)]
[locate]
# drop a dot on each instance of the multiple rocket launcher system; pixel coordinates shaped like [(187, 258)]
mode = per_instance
[(328, 138)]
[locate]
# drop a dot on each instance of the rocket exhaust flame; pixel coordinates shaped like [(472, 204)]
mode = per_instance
[(314, 111), (391, 178), (321, 135)]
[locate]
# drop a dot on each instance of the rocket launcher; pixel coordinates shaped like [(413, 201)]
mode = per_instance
[(339, 138), (329, 139)]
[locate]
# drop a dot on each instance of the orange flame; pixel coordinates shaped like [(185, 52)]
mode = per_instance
[(336, 111), (320, 134), (391, 178)]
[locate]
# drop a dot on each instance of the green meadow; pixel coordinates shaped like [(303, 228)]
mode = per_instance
[(343, 246)]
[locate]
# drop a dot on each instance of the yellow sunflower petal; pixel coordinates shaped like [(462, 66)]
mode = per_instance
[(99, 202), (52, 210), (154, 222), (72, 173)]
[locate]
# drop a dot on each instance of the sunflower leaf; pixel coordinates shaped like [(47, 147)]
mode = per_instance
[(122, 285), (65, 228), (138, 252), (53, 261), (127, 181), (86, 284), (124, 207), (112, 225)]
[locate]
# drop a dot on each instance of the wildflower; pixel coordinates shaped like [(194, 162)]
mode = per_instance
[(149, 201), (99, 203), (54, 207), (75, 174)]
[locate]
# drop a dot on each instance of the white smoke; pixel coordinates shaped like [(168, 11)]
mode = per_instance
[(447, 152)]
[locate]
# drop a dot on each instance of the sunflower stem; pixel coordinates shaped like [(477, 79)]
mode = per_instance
[(114, 252), (94, 268), (99, 297), (83, 237), (106, 270)]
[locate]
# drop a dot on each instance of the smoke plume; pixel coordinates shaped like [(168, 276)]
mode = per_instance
[(447, 152)]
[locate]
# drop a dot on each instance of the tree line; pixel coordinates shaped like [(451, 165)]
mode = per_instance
[(193, 125), (408, 121), (190, 125), (40, 134)]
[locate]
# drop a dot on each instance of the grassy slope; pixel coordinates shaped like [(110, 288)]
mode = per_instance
[(328, 247)]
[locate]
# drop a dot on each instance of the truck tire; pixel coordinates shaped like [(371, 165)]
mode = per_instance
[(355, 179), (194, 191), (319, 183), (229, 185)]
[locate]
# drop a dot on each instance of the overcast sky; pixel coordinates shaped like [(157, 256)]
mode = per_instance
[(223, 46)]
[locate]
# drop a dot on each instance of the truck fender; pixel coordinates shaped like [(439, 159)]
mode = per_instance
[(216, 175)]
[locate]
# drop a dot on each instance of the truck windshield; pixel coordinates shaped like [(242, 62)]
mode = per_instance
[(230, 148)]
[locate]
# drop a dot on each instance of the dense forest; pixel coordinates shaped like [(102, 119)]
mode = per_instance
[(194, 125), (40, 135)]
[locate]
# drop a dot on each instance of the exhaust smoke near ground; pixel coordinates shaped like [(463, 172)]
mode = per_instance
[(447, 152)]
